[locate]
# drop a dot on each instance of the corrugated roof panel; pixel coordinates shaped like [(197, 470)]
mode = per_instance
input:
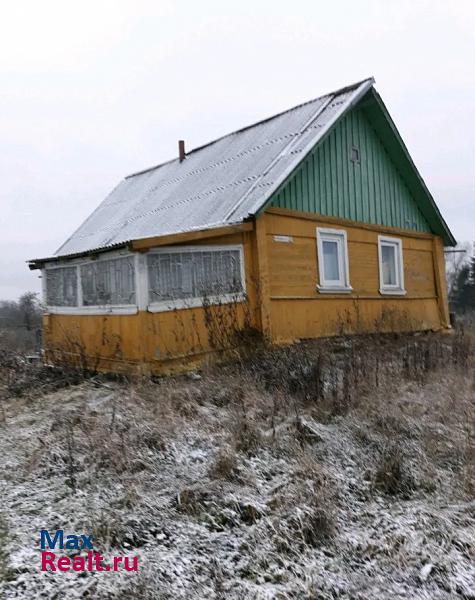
[(221, 183)]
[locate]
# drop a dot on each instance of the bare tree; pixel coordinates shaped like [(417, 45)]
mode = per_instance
[(455, 260), (20, 323), (29, 310)]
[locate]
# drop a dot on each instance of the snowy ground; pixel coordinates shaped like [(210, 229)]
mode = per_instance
[(287, 478)]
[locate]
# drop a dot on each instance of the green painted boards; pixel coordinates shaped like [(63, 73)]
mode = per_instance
[(351, 175)]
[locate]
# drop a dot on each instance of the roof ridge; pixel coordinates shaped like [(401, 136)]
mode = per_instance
[(255, 124), (321, 107)]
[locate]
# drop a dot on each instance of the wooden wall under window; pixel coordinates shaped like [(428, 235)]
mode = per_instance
[(156, 342), (298, 310), (284, 303)]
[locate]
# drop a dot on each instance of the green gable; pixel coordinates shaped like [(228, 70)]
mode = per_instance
[(351, 175)]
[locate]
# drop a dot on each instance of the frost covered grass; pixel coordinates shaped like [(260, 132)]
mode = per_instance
[(341, 468)]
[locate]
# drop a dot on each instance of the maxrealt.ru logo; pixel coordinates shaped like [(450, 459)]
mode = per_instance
[(91, 561)]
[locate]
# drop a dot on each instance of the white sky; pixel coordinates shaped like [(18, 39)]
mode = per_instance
[(92, 91)]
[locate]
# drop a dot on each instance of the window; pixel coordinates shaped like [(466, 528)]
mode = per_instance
[(92, 286), (355, 155), (61, 286), (332, 248), (391, 266), (195, 273), (108, 282)]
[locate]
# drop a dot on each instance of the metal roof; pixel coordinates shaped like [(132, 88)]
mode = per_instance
[(221, 183)]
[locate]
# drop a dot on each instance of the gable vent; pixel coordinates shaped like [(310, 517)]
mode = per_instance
[(355, 155)]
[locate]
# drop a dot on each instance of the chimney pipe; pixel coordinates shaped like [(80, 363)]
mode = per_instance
[(181, 150)]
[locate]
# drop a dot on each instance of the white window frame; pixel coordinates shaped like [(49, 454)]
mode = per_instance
[(80, 309), (342, 285), (396, 289), (183, 303)]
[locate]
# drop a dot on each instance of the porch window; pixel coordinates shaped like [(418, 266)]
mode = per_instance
[(61, 286), (391, 266), (108, 282), (332, 249), (195, 273)]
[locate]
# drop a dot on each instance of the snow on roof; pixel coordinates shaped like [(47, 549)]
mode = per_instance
[(221, 183)]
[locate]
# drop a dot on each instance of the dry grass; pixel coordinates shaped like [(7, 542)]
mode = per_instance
[(290, 461), (392, 475), (223, 465)]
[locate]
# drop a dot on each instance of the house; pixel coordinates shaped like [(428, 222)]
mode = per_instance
[(314, 222)]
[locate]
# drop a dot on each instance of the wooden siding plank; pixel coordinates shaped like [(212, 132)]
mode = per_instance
[(304, 312), (311, 182), (371, 191), (303, 224), (189, 236), (292, 266)]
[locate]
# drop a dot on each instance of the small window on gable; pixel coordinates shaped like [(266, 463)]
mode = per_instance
[(355, 154), (332, 249), (391, 266)]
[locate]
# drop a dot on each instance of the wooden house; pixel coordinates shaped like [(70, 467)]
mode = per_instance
[(314, 222)]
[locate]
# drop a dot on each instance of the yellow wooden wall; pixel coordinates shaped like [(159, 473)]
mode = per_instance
[(155, 342), (297, 310), (283, 301)]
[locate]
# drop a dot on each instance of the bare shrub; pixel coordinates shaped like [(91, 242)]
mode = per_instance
[(305, 508), (191, 501), (21, 340), (73, 353), (469, 458), (231, 394), (88, 442), (107, 527), (20, 324), (151, 437), (463, 348), (147, 584), (22, 378), (308, 526), (229, 324), (6, 572), (269, 466), (247, 437), (129, 499), (183, 402), (392, 475), (169, 399), (223, 465)]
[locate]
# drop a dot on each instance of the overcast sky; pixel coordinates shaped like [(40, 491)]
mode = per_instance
[(92, 91)]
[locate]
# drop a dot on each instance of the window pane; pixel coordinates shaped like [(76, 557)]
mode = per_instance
[(331, 270), (193, 274), (388, 259), (108, 282), (61, 286)]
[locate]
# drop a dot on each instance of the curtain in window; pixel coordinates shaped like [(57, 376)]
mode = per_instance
[(61, 286), (108, 282), (193, 274)]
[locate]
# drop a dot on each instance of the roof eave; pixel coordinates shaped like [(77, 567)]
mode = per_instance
[(365, 88), (445, 233), (141, 244), (39, 263)]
